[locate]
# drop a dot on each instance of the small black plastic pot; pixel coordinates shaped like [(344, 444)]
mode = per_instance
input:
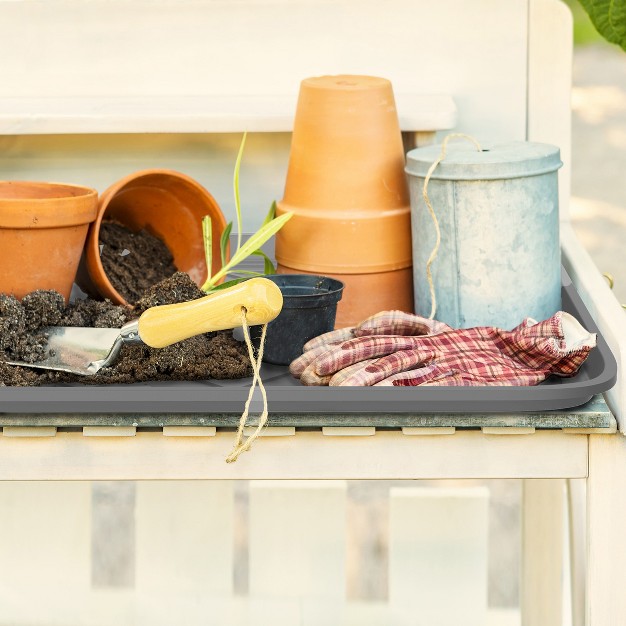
[(309, 309)]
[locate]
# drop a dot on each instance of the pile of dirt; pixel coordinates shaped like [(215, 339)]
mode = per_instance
[(133, 262), (211, 355)]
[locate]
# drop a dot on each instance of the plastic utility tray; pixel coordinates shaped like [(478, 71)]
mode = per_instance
[(287, 395)]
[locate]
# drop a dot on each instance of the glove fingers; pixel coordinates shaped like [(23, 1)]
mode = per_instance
[(338, 379), (302, 362), (329, 338), (386, 366), (398, 323), (309, 377), (415, 377), (360, 349)]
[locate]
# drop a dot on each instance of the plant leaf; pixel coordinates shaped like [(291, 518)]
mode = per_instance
[(236, 189), (207, 239), (267, 262), (254, 243), (609, 18), (260, 237), (271, 214), (224, 241)]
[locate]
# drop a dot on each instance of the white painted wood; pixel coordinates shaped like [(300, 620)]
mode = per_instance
[(184, 551), (606, 544), (271, 431), (607, 312), (541, 588), (349, 431), (142, 55), (71, 456), (550, 83), (45, 540), (438, 555), (29, 431), (437, 430), (189, 431), (505, 430), (577, 513), (191, 114), (109, 431), (297, 540)]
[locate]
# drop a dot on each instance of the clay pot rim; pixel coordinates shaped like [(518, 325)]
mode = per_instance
[(92, 245), (84, 192), (54, 211)]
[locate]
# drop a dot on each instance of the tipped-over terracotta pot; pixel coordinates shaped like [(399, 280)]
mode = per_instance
[(43, 227), (170, 206)]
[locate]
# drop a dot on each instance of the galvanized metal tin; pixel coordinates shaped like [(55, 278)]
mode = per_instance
[(499, 257)]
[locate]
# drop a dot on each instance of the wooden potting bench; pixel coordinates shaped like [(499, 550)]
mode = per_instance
[(91, 91)]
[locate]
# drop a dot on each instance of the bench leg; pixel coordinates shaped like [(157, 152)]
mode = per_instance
[(541, 586), (606, 530)]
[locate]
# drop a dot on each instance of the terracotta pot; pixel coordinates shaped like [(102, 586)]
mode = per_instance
[(346, 148), (366, 294), (349, 194), (323, 241), (169, 205), (43, 227)]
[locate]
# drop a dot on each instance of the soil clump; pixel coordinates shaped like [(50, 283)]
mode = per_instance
[(133, 262), (211, 355)]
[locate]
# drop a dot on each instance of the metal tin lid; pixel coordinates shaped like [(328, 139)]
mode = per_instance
[(515, 159)]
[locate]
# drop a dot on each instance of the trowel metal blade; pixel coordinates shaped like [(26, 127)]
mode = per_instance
[(76, 350)]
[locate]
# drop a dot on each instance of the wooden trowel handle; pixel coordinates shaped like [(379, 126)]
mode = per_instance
[(164, 325)]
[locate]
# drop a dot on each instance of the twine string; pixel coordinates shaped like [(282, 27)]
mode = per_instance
[(433, 215), (242, 445)]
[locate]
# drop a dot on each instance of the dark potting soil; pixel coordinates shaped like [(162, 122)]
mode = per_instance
[(133, 262), (212, 355)]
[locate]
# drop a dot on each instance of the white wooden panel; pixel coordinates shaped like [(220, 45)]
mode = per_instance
[(192, 114), (577, 537), (297, 540), (541, 593), (45, 542), (148, 49), (307, 455), (438, 555), (184, 551), (606, 542)]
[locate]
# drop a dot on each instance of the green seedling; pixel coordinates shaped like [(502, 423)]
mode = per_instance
[(271, 225)]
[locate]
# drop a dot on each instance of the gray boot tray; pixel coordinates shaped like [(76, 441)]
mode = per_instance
[(287, 396)]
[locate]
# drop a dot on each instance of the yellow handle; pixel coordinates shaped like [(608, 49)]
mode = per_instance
[(164, 325)]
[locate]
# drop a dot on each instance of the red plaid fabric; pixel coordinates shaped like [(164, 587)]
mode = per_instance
[(479, 356), (383, 323)]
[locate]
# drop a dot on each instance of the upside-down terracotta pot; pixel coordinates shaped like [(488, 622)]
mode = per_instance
[(366, 294), (43, 227), (170, 206), (349, 194)]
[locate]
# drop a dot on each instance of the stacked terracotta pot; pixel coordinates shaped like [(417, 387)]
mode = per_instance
[(347, 188)]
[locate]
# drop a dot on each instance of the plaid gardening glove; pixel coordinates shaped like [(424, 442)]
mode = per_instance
[(479, 356), (395, 323)]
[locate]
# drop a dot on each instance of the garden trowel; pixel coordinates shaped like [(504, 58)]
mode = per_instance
[(87, 350)]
